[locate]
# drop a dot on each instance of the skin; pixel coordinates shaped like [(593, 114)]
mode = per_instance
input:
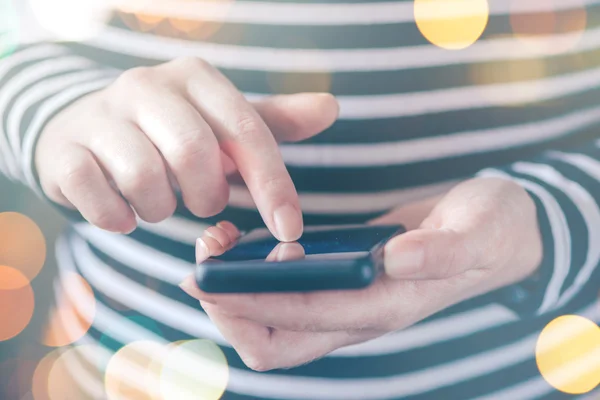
[(120, 152), (481, 235)]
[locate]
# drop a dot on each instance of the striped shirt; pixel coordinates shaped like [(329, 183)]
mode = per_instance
[(415, 119)]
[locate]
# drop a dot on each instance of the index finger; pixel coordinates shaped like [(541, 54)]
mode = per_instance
[(247, 140)]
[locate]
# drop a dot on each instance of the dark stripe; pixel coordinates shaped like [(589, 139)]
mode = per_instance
[(357, 367), (576, 225), (381, 178), (358, 36), (377, 82), (445, 123)]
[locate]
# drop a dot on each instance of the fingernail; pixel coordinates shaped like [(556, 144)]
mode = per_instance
[(405, 259), (202, 251), (288, 223)]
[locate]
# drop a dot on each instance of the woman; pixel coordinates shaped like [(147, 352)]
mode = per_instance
[(143, 131)]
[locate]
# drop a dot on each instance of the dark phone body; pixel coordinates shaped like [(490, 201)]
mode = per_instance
[(336, 258)]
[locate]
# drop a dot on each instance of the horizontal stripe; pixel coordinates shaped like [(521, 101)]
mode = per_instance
[(367, 82), (271, 386), (167, 311), (137, 255), (123, 249), (560, 233), (43, 114), (431, 148), (176, 228), (295, 13), (347, 203), (330, 36), (37, 93), (307, 60)]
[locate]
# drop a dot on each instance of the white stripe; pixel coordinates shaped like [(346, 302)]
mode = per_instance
[(85, 381), (29, 54), (347, 203), (311, 60), (432, 148), (538, 387), (176, 228), (258, 12), (138, 256), (469, 97), (38, 92), (560, 234), (25, 77), (436, 331), (280, 386), (590, 210), (41, 117), (161, 265), (135, 296)]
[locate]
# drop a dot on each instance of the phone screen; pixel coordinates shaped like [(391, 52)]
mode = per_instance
[(320, 243)]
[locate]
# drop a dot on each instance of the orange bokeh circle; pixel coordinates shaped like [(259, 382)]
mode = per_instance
[(22, 244), (528, 27), (74, 314), (39, 384), (17, 302)]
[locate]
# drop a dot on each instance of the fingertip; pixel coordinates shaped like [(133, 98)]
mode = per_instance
[(288, 223), (232, 230), (219, 234)]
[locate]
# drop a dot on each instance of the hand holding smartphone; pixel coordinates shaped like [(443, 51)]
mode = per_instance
[(324, 258)]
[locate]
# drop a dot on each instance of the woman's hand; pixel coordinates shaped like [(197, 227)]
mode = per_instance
[(480, 236), (179, 124)]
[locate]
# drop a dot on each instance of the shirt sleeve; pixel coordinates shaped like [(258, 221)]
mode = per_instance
[(36, 82), (565, 186)]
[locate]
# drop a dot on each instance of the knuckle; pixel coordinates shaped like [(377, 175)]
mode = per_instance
[(140, 180), (135, 78), (190, 63), (246, 128), (77, 173), (189, 151)]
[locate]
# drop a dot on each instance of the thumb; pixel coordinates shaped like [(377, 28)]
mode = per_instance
[(296, 117), (430, 254)]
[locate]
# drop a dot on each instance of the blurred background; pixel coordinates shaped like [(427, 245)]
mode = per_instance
[(20, 355), (29, 227)]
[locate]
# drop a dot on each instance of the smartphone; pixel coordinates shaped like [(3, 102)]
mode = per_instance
[(325, 258)]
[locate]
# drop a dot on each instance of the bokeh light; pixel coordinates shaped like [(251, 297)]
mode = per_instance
[(16, 302), (15, 377), (64, 385), (22, 244), (451, 24), (186, 19), (133, 371), (194, 369), (39, 388), (71, 19), (509, 71), (568, 354), (9, 28), (76, 303), (533, 27)]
